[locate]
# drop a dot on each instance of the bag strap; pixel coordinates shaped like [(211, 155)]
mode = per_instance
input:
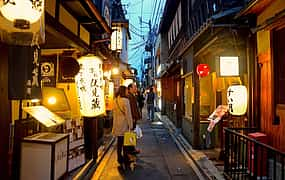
[(120, 107)]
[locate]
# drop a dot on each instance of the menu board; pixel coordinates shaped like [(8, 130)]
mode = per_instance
[(44, 115)]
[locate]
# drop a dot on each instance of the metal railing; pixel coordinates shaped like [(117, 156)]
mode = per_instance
[(247, 158)]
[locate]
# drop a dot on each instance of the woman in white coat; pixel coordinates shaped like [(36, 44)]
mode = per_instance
[(122, 122)]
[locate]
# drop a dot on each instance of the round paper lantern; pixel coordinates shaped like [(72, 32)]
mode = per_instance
[(203, 70), (22, 12)]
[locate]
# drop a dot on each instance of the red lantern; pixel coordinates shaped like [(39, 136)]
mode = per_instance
[(203, 70)]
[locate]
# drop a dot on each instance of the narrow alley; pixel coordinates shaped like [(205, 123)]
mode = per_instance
[(159, 158)]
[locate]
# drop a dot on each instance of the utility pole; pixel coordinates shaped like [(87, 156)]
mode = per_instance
[(151, 38), (142, 64)]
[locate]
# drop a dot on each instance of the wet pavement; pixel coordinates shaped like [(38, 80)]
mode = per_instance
[(160, 158)]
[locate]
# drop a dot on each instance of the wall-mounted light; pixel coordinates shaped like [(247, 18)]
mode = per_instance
[(52, 100), (237, 99), (229, 66), (115, 71), (90, 86)]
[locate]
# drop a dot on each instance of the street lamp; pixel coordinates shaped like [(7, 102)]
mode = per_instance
[(22, 12)]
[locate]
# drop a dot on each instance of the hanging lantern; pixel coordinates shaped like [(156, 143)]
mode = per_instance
[(116, 39), (237, 99), (203, 70), (22, 12), (90, 86)]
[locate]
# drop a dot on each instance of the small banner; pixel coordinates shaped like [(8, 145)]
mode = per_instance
[(24, 76)]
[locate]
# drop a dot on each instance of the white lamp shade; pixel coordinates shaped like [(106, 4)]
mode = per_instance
[(237, 99), (29, 10), (90, 86), (117, 39)]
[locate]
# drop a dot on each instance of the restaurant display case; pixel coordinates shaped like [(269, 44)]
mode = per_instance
[(44, 156), (56, 100)]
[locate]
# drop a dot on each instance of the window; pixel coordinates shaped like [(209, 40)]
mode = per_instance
[(189, 96), (279, 65), (179, 17)]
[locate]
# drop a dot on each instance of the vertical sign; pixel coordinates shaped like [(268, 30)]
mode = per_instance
[(24, 76), (109, 96), (90, 86)]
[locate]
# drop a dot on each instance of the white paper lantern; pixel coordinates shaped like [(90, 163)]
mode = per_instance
[(90, 86), (237, 99), (117, 39), (22, 12)]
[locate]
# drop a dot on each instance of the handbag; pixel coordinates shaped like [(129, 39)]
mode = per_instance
[(130, 139)]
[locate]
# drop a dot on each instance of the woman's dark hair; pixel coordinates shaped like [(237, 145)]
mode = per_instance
[(121, 92)]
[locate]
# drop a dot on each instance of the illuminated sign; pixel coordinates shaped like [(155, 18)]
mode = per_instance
[(44, 115), (117, 39), (90, 86), (237, 99), (109, 95), (229, 66)]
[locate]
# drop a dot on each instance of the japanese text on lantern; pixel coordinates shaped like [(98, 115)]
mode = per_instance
[(237, 99), (90, 86)]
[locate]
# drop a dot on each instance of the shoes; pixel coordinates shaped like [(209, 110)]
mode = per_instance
[(136, 151)]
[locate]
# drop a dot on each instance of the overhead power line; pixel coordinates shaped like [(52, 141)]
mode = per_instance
[(135, 33), (138, 46)]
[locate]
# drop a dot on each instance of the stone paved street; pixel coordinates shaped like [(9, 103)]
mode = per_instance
[(159, 158)]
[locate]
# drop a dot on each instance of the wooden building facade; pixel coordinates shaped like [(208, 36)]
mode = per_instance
[(70, 28), (207, 33), (270, 34)]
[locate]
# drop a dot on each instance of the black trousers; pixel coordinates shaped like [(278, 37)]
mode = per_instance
[(123, 151)]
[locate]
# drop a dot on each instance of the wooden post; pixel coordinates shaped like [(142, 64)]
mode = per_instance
[(90, 137), (5, 114), (196, 111)]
